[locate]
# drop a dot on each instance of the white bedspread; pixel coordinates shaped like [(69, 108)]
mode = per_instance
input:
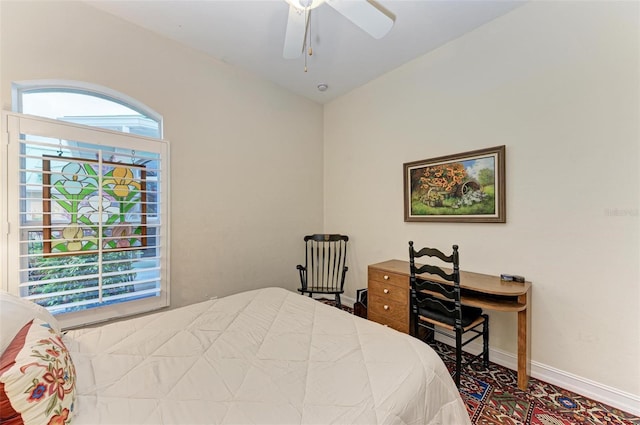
[(261, 357)]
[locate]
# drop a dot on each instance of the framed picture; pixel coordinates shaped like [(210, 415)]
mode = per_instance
[(467, 187)]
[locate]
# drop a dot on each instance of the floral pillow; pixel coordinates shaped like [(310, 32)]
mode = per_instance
[(37, 378), (16, 312)]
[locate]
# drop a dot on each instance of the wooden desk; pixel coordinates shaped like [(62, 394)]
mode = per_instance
[(388, 301)]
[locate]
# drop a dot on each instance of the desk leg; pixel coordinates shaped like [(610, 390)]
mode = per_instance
[(523, 346)]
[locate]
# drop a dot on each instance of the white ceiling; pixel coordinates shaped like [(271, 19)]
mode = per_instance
[(250, 35)]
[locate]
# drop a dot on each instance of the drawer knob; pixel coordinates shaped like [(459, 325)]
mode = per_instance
[(386, 277), (386, 307), (385, 290)]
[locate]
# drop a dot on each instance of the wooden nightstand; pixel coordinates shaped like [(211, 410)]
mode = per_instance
[(388, 298)]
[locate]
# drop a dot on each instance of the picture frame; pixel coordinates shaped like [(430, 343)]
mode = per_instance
[(467, 187)]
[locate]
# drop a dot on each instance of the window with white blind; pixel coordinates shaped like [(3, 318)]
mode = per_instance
[(86, 217)]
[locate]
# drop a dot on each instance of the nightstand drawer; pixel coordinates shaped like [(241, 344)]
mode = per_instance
[(385, 308), (388, 293), (389, 278), (399, 325)]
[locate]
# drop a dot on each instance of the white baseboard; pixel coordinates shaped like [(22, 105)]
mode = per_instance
[(613, 397), (348, 301)]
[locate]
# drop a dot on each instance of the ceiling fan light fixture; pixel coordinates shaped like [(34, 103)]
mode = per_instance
[(305, 4)]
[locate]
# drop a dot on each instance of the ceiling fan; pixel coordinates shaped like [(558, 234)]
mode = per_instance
[(363, 13)]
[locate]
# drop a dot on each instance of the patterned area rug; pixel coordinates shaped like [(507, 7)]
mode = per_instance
[(492, 397)]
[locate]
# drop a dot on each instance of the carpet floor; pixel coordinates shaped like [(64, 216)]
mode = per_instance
[(492, 397)]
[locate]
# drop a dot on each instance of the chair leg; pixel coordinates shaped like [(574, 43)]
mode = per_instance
[(485, 341), (338, 302), (426, 333), (458, 357), (431, 334)]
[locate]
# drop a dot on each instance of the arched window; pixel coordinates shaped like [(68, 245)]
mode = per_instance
[(87, 104), (87, 209)]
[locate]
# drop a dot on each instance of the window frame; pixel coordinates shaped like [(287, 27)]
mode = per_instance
[(15, 124), (19, 88)]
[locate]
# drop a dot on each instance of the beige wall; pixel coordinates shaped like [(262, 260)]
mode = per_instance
[(243, 188), (557, 83)]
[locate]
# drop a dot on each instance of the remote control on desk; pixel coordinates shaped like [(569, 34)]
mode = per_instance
[(512, 278)]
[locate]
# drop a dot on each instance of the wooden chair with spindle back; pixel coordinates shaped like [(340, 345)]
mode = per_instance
[(325, 266)]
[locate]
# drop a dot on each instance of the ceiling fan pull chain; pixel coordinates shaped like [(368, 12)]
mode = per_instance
[(307, 39), (310, 51)]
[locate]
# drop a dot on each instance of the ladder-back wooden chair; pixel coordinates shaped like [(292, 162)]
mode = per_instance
[(325, 267), (436, 306)]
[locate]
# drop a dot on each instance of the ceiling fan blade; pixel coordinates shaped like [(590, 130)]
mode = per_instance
[(295, 34), (365, 15)]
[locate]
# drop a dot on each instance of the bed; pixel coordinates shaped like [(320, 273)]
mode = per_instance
[(268, 356)]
